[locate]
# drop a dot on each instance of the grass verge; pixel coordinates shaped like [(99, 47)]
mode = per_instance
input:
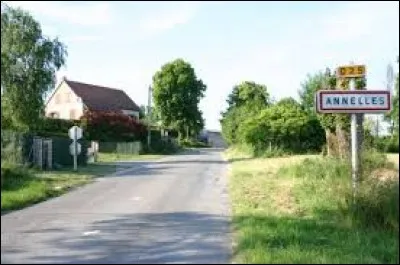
[(22, 187), (113, 157), (295, 210)]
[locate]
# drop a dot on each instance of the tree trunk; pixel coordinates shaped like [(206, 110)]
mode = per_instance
[(342, 142), (329, 142)]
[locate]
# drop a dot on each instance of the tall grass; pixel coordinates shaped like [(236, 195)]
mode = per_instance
[(376, 201), (299, 209)]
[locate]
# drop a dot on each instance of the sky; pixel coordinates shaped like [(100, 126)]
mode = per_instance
[(122, 44)]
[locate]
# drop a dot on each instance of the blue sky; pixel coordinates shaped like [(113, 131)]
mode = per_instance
[(122, 44)]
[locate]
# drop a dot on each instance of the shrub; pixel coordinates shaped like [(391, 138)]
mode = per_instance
[(387, 144), (15, 146), (192, 143), (13, 176), (111, 126), (159, 146), (57, 126), (284, 127)]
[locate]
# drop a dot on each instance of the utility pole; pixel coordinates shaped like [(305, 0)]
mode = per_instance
[(149, 119)]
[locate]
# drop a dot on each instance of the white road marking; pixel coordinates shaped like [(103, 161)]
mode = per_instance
[(88, 233)]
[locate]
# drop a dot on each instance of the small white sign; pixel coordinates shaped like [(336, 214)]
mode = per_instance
[(75, 131), (359, 101), (72, 148)]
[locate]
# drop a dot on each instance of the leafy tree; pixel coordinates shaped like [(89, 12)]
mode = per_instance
[(246, 99), (288, 102), (233, 118), (29, 61), (394, 114), (248, 92), (177, 92), (336, 126)]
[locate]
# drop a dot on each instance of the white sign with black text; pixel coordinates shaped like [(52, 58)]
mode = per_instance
[(359, 101)]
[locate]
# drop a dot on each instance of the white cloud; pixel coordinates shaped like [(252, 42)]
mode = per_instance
[(168, 19), (80, 13)]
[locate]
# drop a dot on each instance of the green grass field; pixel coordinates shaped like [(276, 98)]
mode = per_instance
[(22, 187), (284, 214)]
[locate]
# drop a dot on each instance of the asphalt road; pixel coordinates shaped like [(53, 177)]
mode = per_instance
[(174, 210)]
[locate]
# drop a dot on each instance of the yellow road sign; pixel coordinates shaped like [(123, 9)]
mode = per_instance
[(351, 71)]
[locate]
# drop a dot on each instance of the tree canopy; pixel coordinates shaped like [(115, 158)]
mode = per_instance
[(248, 92), (29, 61), (177, 92), (246, 99)]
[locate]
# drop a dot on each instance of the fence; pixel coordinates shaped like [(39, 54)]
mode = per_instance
[(120, 147), (46, 153)]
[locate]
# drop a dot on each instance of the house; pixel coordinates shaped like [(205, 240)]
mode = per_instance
[(71, 98)]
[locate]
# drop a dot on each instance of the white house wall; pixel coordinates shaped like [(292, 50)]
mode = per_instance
[(63, 102)]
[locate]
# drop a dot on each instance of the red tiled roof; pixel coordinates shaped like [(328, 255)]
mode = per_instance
[(102, 98)]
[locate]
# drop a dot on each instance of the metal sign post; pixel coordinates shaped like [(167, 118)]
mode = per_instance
[(75, 133), (75, 152), (354, 144), (149, 120), (353, 102)]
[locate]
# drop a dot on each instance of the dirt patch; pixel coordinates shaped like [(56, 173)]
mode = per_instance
[(384, 174)]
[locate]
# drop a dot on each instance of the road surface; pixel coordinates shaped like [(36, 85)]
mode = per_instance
[(174, 210)]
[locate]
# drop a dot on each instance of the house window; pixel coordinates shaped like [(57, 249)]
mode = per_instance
[(54, 115), (72, 114), (58, 99)]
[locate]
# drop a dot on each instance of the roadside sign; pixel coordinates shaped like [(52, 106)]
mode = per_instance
[(75, 132), (351, 71), (72, 148), (353, 101)]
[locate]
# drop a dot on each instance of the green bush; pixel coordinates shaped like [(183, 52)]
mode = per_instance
[(193, 143), (387, 144), (282, 126), (158, 146), (15, 146), (60, 126), (13, 176)]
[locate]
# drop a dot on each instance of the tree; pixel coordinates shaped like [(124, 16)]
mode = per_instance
[(248, 92), (289, 101), (246, 99), (233, 118), (177, 92), (336, 126), (29, 61), (394, 114)]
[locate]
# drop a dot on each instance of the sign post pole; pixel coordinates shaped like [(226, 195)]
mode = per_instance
[(76, 150), (354, 145), (149, 119), (75, 133)]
